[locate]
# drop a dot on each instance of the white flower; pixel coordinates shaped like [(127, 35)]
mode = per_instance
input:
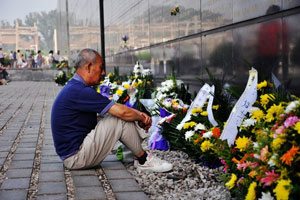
[(255, 144), (189, 134), (266, 196), (271, 161), (256, 156), (207, 134), (147, 72), (60, 73), (180, 126), (200, 127), (248, 122), (168, 104), (252, 109), (179, 82), (292, 106)]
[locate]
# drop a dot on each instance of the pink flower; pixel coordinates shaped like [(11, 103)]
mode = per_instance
[(270, 178), (290, 121), (247, 164), (225, 164)]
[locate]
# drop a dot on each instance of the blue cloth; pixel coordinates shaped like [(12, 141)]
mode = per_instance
[(74, 115)]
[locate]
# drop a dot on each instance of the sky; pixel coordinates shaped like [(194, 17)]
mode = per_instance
[(12, 9)]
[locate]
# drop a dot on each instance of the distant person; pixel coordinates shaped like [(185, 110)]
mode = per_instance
[(15, 59), (11, 59), (1, 57), (56, 57), (19, 59), (28, 58), (270, 36), (39, 59), (50, 58), (3, 74)]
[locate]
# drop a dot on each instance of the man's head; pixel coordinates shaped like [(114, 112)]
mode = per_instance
[(89, 66)]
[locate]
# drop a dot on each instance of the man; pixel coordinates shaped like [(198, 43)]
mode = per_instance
[(79, 140)]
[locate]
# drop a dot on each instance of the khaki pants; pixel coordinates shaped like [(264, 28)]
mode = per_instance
[(101, 140)]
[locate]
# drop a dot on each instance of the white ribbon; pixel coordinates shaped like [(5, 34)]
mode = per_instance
[(240, 109), (209, 107), (199, 101)]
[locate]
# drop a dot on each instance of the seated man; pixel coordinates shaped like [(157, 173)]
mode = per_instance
[(79, 140)]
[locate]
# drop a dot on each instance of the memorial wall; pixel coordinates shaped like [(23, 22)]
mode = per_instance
[(225, 36)]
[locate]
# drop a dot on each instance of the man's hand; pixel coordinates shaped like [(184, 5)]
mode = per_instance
[(146, 122)]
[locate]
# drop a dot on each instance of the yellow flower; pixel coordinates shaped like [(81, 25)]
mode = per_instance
[(265, 99), (257, 114), (135, 84), (277, 142), (110, 75), (297, 127), (189, 124), (273, 111), (281, 192), (230, 184), (115, 82), (98, 90), (148, 82), (204, 113), (196, 110), (127, 86), (119, 92), (215, 107), (251, 195), (206, 145), (262, 85), (241, 143)]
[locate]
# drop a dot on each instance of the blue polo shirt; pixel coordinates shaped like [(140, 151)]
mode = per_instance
[(74, 115)]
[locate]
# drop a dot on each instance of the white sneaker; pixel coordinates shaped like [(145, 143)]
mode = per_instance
[(153, 164)]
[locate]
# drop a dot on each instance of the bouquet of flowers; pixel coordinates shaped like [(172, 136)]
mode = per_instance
[(61, 78), (264, 162)]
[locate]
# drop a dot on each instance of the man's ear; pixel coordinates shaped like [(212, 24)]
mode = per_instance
[(89, 66)]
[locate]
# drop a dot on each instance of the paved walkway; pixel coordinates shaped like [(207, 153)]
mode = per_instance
[(29, 166)]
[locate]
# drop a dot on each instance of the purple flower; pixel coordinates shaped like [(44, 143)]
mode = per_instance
[(104, 90), (290, 121), (125, 38)]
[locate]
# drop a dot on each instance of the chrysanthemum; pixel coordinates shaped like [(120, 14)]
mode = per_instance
[(206, 145), (196, 110), (257, 114), (204, 113), (251, 195), (277, 142), (281, 191), (288, 157), (265, 99), (119, 92), (241, 143), (297, 127), (230, 184), (262, 85), (273, 111), (189, 124)]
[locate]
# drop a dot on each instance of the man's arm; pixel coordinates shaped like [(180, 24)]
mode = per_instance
[(130, 114)]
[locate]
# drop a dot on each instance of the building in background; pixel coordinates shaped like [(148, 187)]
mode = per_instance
[(19, 37), (224, 36)]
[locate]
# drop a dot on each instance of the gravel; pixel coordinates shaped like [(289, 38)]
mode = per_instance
[(187, 180)]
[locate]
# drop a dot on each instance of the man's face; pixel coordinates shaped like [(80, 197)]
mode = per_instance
[(97, 72)]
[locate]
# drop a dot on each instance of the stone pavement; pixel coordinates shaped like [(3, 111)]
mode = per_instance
[(29, 166)]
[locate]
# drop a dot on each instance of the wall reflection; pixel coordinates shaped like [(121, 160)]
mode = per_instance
[(204, 34)]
